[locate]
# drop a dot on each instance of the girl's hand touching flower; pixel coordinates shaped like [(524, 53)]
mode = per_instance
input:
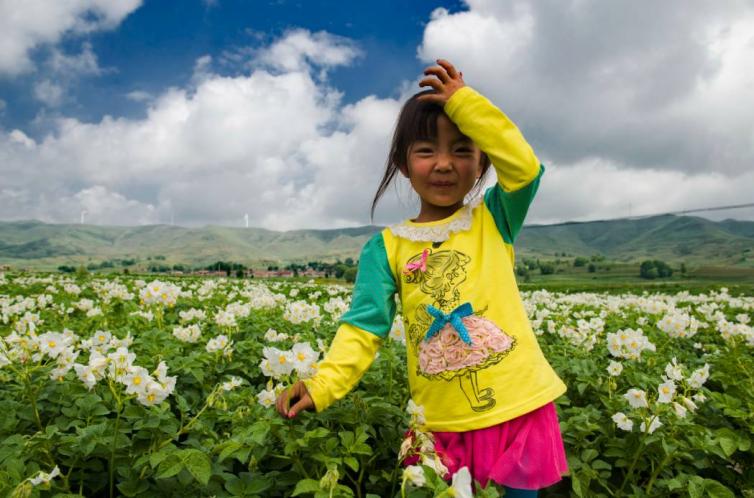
[(296, 394), (447, 80)]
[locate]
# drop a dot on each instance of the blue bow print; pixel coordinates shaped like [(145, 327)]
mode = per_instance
[(454, 318)]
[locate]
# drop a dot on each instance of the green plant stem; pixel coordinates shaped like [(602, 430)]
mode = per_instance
[(631, 468), (656, 473), (184, 428), (112, 453)]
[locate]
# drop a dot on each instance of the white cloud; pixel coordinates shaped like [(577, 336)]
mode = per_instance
[(276, 142), (256, 143), (628, 90), (82, 64), (139, 96), (298, 49), (27, 25), (49, 93)]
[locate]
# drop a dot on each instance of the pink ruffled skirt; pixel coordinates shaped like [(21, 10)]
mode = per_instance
[(526, 452)]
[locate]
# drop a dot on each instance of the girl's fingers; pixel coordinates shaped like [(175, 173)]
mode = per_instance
[(451, 70), (280, 401), (438, 71), (433, 82), (303, 404)]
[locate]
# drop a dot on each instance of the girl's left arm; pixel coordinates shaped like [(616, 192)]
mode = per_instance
[(518, 168)]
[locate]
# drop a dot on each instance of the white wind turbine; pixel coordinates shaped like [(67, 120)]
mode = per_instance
[(246, 219), (84, 212)]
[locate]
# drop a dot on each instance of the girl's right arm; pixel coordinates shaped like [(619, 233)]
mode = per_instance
[(359, 336)]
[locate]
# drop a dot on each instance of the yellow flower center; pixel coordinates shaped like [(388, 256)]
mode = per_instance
[(137, 380), (281, 359), (51, 344), (150, 397), (301, 356)]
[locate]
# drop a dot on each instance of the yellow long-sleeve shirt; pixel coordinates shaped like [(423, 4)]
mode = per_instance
[(482, 364)]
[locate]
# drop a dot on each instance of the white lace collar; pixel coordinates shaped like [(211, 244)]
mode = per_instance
[(438, 231)]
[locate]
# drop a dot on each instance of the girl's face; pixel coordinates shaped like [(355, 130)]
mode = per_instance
[(443, 170)]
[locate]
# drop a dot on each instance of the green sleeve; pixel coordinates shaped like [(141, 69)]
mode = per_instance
[(509, 209), (373, 301)]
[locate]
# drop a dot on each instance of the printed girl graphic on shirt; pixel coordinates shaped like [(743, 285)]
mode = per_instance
[(453, 341)]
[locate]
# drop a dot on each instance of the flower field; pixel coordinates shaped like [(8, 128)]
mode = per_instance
[(119, 386)]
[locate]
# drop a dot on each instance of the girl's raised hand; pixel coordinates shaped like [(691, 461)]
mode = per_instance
[(296, 394), (445, 82)]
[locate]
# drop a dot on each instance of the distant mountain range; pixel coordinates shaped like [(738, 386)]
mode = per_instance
[(33, 244)]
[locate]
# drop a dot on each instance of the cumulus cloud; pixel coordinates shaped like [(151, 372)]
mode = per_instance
[(27, 25), (647, 112), (260, 143), (616, 92), (640, 87), (299, 50)]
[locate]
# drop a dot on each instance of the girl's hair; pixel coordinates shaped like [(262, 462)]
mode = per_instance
[(416, 121)]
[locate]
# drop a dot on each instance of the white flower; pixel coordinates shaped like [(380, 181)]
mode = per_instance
[(614, 368), (623, 422), (636, 398), (266, 398), (52, 343), (136, 380), (653, 425), (190, 333), (153, 394), (398, 331), (233, 383), (272, 335), (416, 412), (280, 362), (461, 484), (44, 477), (303, 355), (699, 377), (219, 343), (689, 404), (415, 475), (699, 397), (225, 318), (666, 391), (168, 383), (680, 410), (432, 461), (674, 371), (86, 375)]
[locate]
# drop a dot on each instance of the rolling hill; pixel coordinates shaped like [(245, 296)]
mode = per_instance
[(34, 244)]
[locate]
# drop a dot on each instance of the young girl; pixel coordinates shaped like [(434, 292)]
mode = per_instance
[(473, 360)]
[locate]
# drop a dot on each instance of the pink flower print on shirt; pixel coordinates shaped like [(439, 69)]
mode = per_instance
[(445, 354)]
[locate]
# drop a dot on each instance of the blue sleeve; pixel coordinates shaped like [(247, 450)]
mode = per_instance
[(373, 302), (509, 208)]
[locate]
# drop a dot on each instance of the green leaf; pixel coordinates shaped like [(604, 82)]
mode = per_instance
[(728, 441), (306, 486), (352, 462), (133, 487), (717, 490), (198, 464), (169, 467), (696, 487), (229, 448), (589, 455)]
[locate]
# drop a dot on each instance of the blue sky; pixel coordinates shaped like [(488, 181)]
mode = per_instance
[(144, 111), (155, 47)]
